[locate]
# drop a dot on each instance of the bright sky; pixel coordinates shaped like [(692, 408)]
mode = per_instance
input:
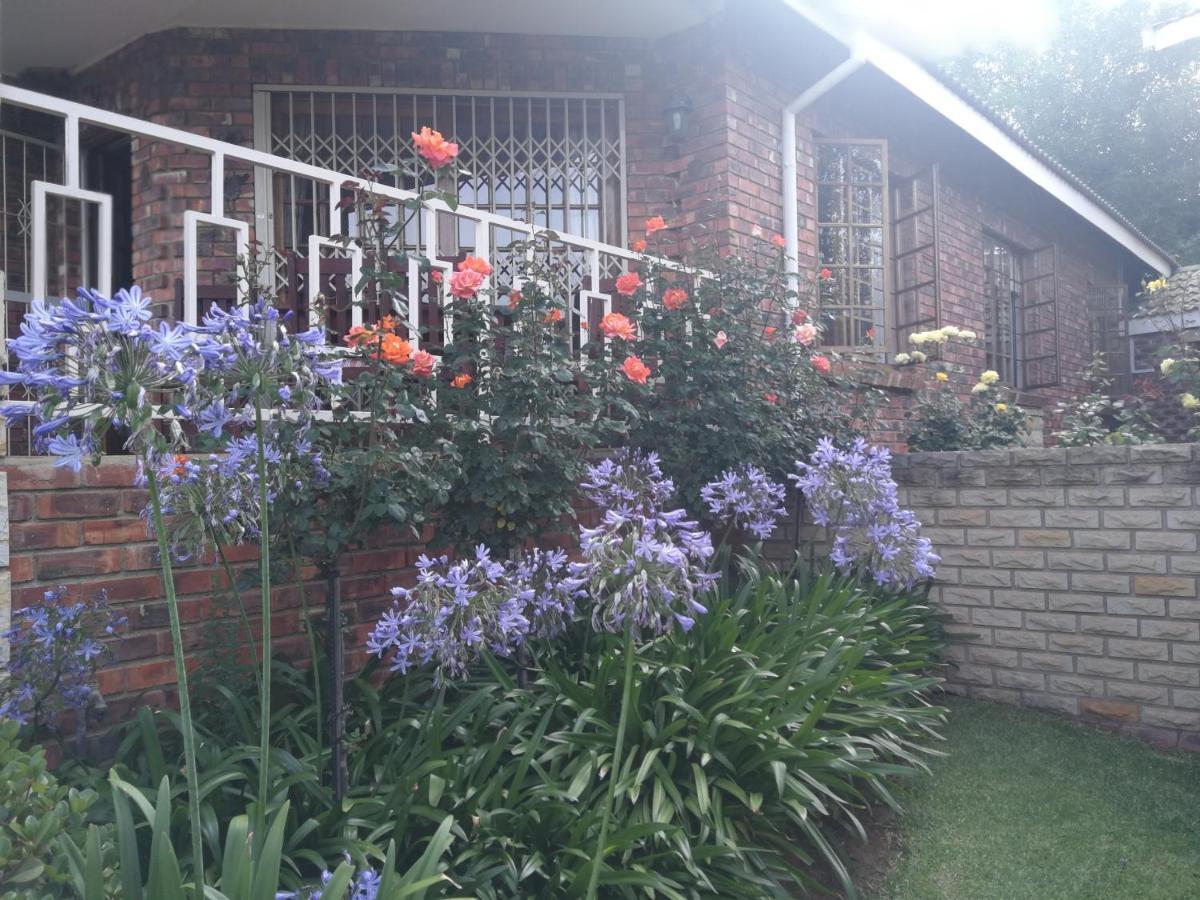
[(941, 28)]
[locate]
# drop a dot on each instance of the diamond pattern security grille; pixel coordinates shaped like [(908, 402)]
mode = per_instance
[(554, 161)]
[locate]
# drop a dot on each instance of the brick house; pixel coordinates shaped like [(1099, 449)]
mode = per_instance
[(152, 140)]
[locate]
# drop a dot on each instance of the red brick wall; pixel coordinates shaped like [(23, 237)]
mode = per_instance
[(85, 531)]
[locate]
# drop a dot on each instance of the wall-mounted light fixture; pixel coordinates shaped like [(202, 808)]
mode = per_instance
[(676, 112)]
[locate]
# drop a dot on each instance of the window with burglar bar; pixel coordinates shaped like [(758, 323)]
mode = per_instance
[(1002, 293), (555, 161), (852, 242), (1020, 332)]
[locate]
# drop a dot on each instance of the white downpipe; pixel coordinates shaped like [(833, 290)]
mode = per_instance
[(791, 227)]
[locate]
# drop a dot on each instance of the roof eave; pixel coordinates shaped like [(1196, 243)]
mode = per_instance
[(919, 82)]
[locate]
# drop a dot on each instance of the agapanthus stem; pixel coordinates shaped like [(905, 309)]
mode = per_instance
[(231, 577), (615, 771), (264, 556), (185, 704)]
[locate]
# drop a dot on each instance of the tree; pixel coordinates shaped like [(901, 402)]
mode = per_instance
[(1123, 118)]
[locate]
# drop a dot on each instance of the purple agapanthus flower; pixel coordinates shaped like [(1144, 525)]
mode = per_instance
[(745, 498), (643, 565), (54, 650), (852, 493)]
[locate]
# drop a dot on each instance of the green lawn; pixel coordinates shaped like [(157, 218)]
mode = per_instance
[(1026, 805)]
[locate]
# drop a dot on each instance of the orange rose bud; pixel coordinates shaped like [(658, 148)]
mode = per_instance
[(778, 240), (461, 380), (638, 246)]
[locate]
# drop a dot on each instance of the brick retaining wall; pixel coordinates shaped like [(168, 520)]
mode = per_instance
[(1070, 578)]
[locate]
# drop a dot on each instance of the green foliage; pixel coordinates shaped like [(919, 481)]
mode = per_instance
[(758, 397), (523, 424), (990, 419), (36, 813), (1099, 418), (784, 711), (1120, 116)]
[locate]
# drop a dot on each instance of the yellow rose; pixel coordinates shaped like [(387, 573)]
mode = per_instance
[(1189, 401), (1166, 366), (979, 388), (942, 376), (1001, 407), (989, 377)]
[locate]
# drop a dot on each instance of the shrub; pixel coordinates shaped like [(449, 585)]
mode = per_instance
[(36, 812), (739, 376), (940, 420), (781, 712), (1099, 418)]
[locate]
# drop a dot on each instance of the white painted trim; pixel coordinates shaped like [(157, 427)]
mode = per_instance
[(1176, 31), (191, 219), (1164, 323), (312, 285), (39, 263), (940, 98)]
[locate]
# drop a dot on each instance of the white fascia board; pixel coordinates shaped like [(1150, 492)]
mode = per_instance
[(940, 98), (1176, 31)]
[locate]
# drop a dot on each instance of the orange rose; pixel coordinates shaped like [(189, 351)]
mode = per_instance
[(655, 223), (616, 325), (465, 284), (389, 323), (423, 364), (771, 397), (435, 148), (675, 298), (475, 264), (635, 370), (395, 350), (555, 315), (628, 283), (638, 246), (821, 364), (778, 240), (769, 331), (805, 334), (461, 380)]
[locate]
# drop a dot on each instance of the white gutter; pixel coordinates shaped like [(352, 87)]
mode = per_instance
[(791, 186)]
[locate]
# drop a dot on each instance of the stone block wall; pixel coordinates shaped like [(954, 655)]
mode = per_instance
[(1070, 579)]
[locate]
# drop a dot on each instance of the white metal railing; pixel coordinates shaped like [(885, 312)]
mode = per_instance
[(592, 257)]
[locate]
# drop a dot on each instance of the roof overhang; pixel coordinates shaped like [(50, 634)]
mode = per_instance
[(72, 34), (934, 93)]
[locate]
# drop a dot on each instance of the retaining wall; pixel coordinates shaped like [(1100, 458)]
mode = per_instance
[(1070, 578)]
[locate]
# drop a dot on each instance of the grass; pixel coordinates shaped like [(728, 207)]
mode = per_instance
[(1026, 805)]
